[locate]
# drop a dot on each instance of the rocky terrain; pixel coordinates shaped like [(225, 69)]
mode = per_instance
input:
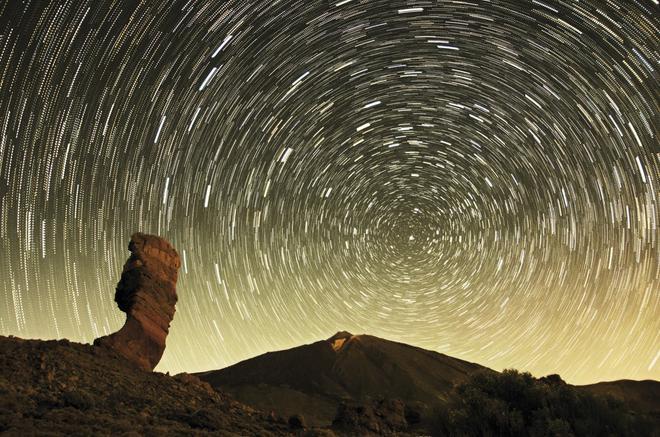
[(64, 388)]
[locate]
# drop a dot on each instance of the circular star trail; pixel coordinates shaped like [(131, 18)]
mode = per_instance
[(477, 178)]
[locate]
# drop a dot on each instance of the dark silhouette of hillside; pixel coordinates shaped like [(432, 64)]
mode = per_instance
[(314, 379), (65, 388), (640, 395), (365, 385)]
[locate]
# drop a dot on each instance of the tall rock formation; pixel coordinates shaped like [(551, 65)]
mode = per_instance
[(146, 292)]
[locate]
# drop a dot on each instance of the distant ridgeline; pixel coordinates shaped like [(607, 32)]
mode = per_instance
[(365, 384)]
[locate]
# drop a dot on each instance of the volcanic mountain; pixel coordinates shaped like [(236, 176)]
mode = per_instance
[(65, 388), (314, 379)]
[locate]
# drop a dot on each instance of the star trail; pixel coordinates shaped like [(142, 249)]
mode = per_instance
[(478, 178)]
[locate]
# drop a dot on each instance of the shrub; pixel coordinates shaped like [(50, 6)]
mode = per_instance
[(512, 403)]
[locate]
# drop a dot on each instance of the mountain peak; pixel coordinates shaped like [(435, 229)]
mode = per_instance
[(341, 334), (338, 340)]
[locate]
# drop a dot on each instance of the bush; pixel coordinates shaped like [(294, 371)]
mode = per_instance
[(78, 399), (512, 403)]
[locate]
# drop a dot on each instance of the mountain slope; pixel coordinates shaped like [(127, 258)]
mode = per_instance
[(313, 379), (640, 395), (65, 388)]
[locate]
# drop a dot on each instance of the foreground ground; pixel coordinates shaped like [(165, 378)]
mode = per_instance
[(64, 388), (59, 387)]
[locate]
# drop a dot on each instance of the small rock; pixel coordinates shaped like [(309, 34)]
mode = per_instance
[(297, 421)]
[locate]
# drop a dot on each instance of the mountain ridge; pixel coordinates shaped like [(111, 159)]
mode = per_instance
[(315, 379), (60, 387)]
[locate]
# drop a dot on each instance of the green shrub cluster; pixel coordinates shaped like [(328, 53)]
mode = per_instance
[(513, 403)]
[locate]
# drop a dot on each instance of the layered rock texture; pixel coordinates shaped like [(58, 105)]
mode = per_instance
[(146, 292)]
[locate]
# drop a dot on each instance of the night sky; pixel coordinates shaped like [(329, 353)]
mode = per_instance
[(479, 178)]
